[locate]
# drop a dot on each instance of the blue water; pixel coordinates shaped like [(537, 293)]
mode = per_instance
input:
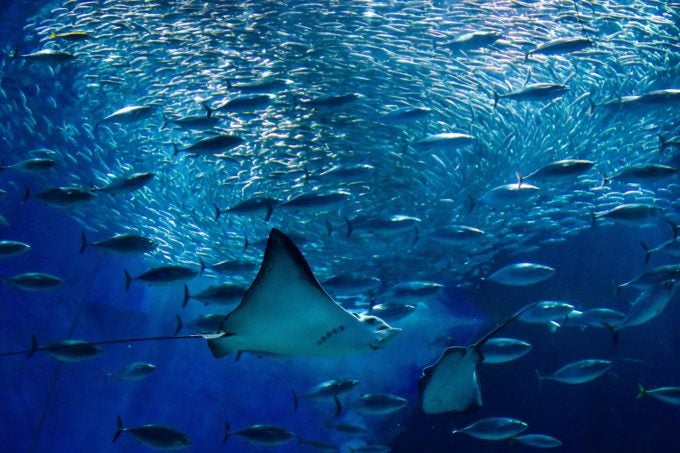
[(52, 406)]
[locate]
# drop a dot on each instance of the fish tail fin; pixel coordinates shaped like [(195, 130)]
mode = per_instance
[(166, 120), (187, 296), (605, 180), (34, 346), (553, 326), (296, 400), (614, 331), (416, 236), (119, 429), (662, 143), (617, 288), (208, 110), (83, 243), (648, 253), (218, 212), (227, 432), (675, 229), (591, 107), (27, 193), (540, 379), (473, 203), (349, 227), (53, 35), (455, 431), (270, 211), (338, 406), (329, 228), (641, 391), (526, 57), (128, 280), (496, 98), (371, 300), (246, 244), (520, 179), (203, 266), (175, 149), (528, 78), (179, 325)]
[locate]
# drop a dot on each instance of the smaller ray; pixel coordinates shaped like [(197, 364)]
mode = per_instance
[(451, 383)]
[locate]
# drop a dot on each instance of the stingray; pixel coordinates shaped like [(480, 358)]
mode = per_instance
[(286, 312), (451, 383)]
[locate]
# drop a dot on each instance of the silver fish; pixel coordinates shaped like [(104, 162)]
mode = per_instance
[(126, 184), (560, 46), (379, 404), (533, 92), (643, 173), (494, 428), (125, 244), (163, 275), (223, 294), (567, 168), (158, 436), (32, 164), (35, 281), (64, 197), (579, 372), (127, 114), (13, 248), (670, 395), (522, 274), (444, 140), (67, 350), (502, 350), (473, 40), (265, 435), (49, 56), (648, 305), (631, 214), (538, 440), (211, 145), (135, 371), (251, 206), (508, 194)]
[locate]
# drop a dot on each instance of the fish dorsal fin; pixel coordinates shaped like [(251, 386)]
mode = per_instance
[(287, 312)]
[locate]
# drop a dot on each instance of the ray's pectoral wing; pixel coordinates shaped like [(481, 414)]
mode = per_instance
[(285, 311), (451, 384)]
